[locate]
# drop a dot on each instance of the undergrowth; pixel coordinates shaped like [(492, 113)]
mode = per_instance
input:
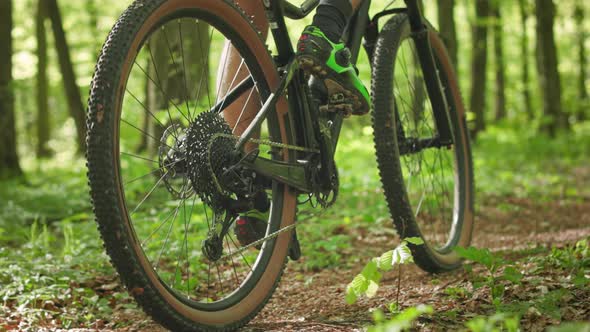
[(53, 266)]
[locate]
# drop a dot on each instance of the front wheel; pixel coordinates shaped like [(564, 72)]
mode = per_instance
[(157, 162), (429, 188)]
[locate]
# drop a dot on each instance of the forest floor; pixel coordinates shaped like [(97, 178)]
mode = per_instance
[(531, 210), (308, 300)]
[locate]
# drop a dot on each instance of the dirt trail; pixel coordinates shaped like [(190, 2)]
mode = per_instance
[(314, 301), (300, 305)]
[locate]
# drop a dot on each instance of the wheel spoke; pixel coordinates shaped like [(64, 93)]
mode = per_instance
[(167, 224)]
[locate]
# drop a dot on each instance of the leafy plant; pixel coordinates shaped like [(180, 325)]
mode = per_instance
[(493, 263), (457, 292), (367, 282), (571, 327), (498, 322), (400, 322), (571, 257)]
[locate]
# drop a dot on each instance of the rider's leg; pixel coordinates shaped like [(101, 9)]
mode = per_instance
[(249, 226), (332, 15), (232, 71)]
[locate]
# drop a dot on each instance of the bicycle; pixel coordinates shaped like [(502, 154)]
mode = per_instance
[(171, 239)]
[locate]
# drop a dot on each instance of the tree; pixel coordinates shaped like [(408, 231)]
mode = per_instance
[(178, 68), (9, 165), (479, 64), (74, 98), (584, 99), (43, 128), (500, 105), (92, 11), (549, 81), (524, 53), (446, 25)]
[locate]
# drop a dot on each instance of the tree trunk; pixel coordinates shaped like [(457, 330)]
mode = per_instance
[(500, 105), (446, 25), (74, 98), (549, 82), (584, 99), (92, 11), (478, 65), (9, 165), (524, 51), (43, 127), (149, 87), (175, 82)]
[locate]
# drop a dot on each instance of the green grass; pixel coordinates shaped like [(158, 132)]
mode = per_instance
[(519, 162)]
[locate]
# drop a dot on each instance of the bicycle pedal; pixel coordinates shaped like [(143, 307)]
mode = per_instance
[(337, 98)]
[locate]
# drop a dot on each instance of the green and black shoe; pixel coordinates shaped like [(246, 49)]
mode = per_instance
[(319, 56)]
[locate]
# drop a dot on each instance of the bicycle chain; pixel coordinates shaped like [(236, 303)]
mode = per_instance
[(267, 143), (272, 235)]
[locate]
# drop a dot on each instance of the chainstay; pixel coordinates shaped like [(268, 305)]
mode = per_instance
[(272, 235), (252, 140)]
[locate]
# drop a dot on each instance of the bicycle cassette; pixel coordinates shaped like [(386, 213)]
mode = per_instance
[(209, 154)]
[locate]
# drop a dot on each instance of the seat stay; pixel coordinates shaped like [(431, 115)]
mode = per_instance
[(234, 94), (287, 76)]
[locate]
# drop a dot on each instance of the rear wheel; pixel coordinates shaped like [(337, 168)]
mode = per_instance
[(429, 189), (152, 142)]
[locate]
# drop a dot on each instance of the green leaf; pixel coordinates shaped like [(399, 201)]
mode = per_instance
[(385, 261), (402, 321), (370, 272), (571, 327), (359, 284), (393, 307), (378, 316), (414, 240), (481, 256), (402, 255), (498, 291), (350, 296), (371, 289), (512, 274)]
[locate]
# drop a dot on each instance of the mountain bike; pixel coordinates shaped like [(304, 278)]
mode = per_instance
[(168, 174)]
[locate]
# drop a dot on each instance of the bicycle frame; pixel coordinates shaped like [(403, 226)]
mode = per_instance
[(307, 129)]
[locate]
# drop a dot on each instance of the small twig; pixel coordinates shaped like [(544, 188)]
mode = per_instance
[(399, 279)]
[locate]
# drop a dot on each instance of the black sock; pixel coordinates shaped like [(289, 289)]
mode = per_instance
[(331, 17)]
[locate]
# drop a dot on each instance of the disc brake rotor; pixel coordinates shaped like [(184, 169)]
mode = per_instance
[(172, 162)]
